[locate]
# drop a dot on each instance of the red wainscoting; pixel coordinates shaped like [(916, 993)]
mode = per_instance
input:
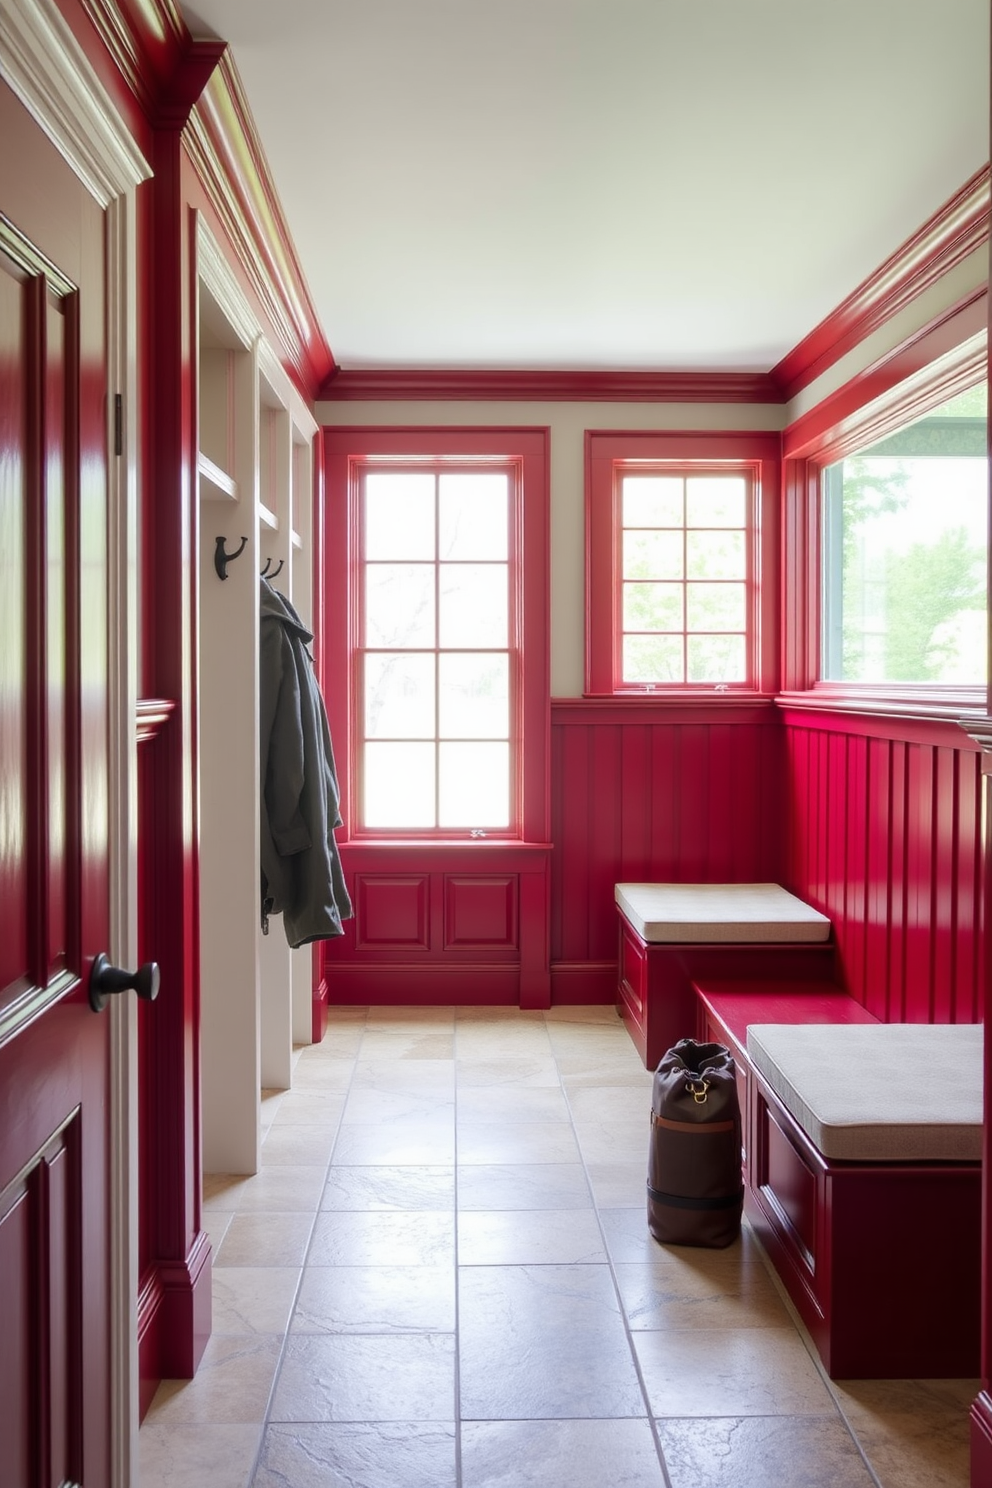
[(886, 838), (653, 791)]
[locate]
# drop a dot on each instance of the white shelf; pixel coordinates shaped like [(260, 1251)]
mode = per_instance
[(214, 484), (296, 540), (267, 518)]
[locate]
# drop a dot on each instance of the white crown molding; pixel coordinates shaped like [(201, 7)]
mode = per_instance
[(48, 70), (216, 274)]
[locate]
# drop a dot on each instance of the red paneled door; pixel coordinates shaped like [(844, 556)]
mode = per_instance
[(54, 836)]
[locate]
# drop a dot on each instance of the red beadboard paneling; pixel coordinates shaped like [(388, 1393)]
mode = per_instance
[(657, 799), (885, 838)]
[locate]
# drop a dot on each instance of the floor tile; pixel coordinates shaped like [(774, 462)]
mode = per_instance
[(523, 1186), (376, 1299), (612, 1105), (543, 1341), (422, 1043), (629, 1239), (582, 1068), (513, 1103), (191, 1456), (430, 1076), (231, 1386), (519, 1142), (787, 1451), (709, 1294), (612, 1141), (310, 1108), (524, 1237), (524, 1071), (265, 1240), (428, 1142), (282, 1188), (366, 1378), (560, 1454), (915, 1433), (216, 1222), (411, 1188), (380, 1454), (253, 1299), (323, 1074), (376, 1107), (747, 1372), (377, 1238), (298, 1146), (619, 1184)]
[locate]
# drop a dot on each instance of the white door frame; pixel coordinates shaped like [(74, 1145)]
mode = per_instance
[(45, 66)]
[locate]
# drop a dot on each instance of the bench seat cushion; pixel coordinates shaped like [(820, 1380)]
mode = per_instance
[(878, 1092), (740, 913)]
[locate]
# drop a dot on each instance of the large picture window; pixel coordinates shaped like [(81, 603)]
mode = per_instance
[(904, 553)]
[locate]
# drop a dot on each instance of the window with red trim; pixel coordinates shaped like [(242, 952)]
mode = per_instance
[(680, 574), (437, 618)]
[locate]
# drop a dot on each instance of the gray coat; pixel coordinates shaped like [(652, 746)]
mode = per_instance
[(301, 870)]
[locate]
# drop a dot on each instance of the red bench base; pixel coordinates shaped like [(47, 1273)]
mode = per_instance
[(881, 1260), (655, 995)]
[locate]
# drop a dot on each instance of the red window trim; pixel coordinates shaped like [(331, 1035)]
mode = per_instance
[(346, 451), (929, 368), (757, 453)]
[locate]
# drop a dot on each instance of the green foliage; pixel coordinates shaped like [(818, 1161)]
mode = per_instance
[(927, 586)]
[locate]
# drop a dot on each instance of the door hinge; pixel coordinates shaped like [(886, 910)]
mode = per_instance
[(118, 424)]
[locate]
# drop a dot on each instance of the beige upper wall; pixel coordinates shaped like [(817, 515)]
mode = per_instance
[(568, 423)]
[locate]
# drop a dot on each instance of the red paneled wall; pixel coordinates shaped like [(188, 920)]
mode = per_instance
[(886, 838), (648, 791)]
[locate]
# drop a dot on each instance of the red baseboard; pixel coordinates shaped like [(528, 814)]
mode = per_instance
[(583, 983), (981, 1441), (319, 1009)]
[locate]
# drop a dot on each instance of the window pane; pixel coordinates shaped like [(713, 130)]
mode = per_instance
[(652, 555), (652, 606), (475, 785), (399, 785), (715, 606), (399, 515), (653, 659), (399, 604), (399, 696), (472, 518), (716, 501), (716, 555), (652, 501), (473, 604), (474, 696), (904, 581), (716, 659)]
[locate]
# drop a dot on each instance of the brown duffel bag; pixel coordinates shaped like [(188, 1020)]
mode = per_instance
[(695, 1188)]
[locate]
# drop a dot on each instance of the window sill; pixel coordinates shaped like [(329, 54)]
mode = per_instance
[(951, 706)]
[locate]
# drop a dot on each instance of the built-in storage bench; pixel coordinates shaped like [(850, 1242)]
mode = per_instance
[(673, 933), (864, 1184)]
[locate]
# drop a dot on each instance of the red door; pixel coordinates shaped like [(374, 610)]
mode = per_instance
[(54, 892)]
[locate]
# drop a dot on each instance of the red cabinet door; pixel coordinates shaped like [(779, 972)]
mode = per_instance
[(54, 834)]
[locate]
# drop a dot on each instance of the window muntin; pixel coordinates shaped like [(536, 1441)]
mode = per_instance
[(904, 538), (437, 712), (684, 577)]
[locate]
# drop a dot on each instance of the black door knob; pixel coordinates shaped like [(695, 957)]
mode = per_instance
[(105, 980)]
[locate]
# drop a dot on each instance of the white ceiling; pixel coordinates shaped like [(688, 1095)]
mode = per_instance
[(602, 184)]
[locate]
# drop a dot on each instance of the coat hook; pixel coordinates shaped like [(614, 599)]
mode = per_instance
[(277, 569), (222, 559), (268, 565)]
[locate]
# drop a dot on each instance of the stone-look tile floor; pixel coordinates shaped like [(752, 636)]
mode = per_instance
[(442, 1277)]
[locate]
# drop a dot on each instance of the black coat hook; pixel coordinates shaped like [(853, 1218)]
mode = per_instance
[(222, 559), (277, 569), (268, 565)]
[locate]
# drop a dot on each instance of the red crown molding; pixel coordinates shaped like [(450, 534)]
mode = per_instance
[(417, 384), (955, 231), (225, 149), (147, 43)]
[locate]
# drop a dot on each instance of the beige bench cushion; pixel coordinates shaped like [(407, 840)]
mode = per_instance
[(878, 1092), (719, 912)]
